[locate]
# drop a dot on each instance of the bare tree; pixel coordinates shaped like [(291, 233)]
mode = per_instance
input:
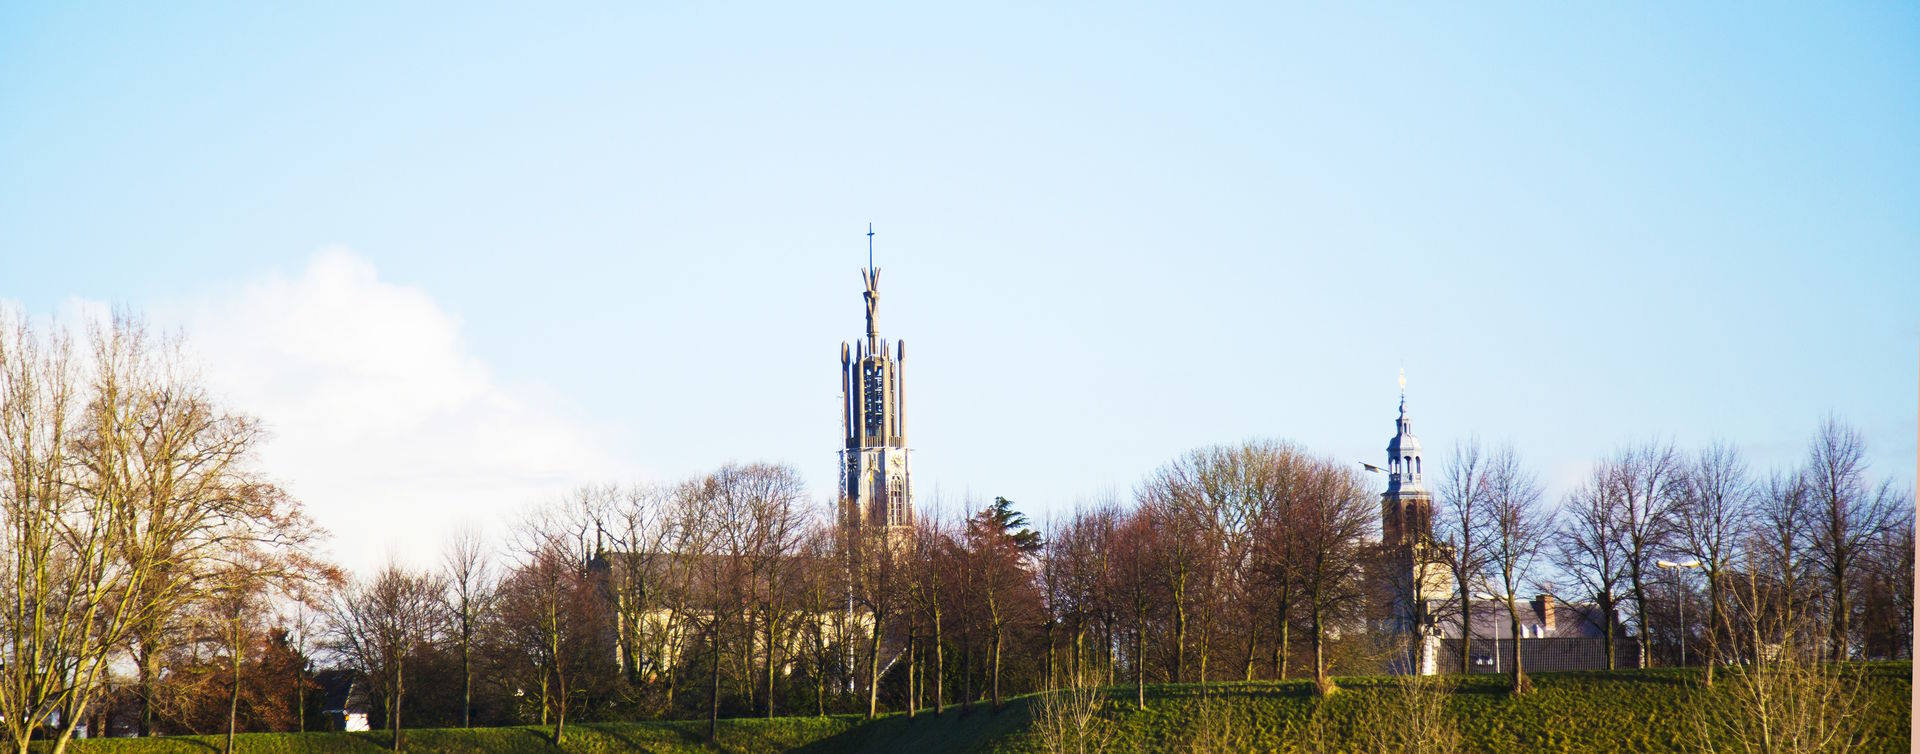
[(553, 610), (1414, 716), (379, 622), (878, 571), (1462, 532), (469, 579), (1136, 568), (1587, 548), (553, 597), (127, 491), (1276, 553), (53, 580), (775, 499), (302, 625), (1714, 505), (251, 572), (1889, 589), (693, 529), (1331, 521), (1516, 526), (1781, 698), (1167, 499), (1848, 514), (933, 552), (1643, 477)]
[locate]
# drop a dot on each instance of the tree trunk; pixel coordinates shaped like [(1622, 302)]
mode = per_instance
[(997, 634), (1140, 656), (911, 660), (1252, 641), (560, 705), (873, 669), (1713, 624), (1606, 610), (1840, 614), (1281, 651), (233, 696), (1520, 683), (1107, 643), (1466, 630), (671, 631), (939, 667), (466, 674), (772, 628), (966, 669), (1206, 648), (300, 695), (145, 663), (1079, 648), (820, 669), (1321, 685), (399, 692), (1179, 641), (713, 688), (1048, 682), (1640, 612)]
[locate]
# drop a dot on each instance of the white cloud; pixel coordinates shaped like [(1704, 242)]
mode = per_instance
[(392, 433)]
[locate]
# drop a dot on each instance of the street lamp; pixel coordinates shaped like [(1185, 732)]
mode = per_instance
[(1680, 597), (1488, 595)]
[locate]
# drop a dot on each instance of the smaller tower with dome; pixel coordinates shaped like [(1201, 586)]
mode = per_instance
[(1406, 508)]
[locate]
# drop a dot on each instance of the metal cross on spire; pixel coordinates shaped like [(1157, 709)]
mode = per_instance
[(871, 277)]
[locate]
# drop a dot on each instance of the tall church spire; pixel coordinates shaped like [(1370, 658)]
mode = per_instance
[(875, 486)]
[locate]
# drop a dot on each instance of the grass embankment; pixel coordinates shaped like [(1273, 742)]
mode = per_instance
[(1625, 711), (741, 735)]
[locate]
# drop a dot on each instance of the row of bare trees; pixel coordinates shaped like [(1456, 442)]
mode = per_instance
[(139, 537), (1654, 531), (137, 532), (730, 594)]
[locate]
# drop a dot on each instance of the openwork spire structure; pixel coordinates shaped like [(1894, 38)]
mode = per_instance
[(875, 479)]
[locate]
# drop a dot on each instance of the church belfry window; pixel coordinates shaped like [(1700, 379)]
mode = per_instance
[(876, 407)]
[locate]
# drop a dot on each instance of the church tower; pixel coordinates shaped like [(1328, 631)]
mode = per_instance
[(1420, 579), (875, 478), (1406, 508)]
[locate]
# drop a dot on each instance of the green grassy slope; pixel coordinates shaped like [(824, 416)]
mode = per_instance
[(1622, 711), (743, 735), (1625, 711)]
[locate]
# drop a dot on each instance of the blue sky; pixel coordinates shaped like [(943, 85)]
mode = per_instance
[(1111, 232)]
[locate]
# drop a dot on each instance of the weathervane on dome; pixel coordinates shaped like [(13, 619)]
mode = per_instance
[(1403, 393)]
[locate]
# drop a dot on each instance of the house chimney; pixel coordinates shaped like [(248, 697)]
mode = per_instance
[(1543, 606)]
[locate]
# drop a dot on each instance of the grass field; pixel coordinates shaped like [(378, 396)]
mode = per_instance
[(1624, 711)]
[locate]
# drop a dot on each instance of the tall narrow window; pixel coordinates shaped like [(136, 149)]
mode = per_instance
[(876, 397)]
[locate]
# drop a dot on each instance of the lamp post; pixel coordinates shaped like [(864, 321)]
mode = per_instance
[(1489, 595), (1681, 597)]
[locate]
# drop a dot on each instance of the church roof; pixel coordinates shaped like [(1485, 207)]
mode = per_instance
[(1569, 620)]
